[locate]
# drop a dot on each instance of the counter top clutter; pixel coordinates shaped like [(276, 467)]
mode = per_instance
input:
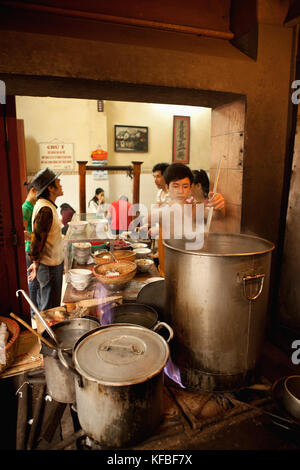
[(99, 271)]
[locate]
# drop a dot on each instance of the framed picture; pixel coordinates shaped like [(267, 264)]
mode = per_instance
[(131, 139), (181, 139)]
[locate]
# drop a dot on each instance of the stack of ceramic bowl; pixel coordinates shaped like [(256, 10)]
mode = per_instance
[(82, 252), (80, 278)]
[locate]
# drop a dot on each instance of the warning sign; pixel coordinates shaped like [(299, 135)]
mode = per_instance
[(57, 156)]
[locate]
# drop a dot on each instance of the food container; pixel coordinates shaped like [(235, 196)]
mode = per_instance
[(136, 314), (126, 271), (124, 255), (102, 258), (60, 381), (78, 227), (121, 244), (142, 252), (82, 252), (291, 395), (80, 278), (119, 383), (144, 265)]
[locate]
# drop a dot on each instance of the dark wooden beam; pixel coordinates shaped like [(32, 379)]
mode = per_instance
[(26, 85), (196, 19)]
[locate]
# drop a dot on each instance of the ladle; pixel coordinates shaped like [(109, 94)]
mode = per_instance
[(44, 323), (20, 320)]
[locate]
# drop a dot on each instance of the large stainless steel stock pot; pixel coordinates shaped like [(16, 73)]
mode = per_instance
[(216, 302)]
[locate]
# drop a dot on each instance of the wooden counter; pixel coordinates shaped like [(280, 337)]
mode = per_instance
[(96, 289)]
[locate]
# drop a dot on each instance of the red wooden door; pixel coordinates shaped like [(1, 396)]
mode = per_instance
[(13, 275), (22, 157)]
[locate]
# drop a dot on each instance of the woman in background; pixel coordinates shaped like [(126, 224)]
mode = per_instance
[(201, 194), (96, 204), (200, 185)]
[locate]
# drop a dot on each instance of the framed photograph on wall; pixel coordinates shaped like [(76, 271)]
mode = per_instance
[(131, 138), (181, 139)]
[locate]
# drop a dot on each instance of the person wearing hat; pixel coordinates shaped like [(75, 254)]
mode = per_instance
[(46, 251)]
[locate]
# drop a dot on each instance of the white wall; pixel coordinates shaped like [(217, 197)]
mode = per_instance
[(67, 120), (159, 120), (78, 122)]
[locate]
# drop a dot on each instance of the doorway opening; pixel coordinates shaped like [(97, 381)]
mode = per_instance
[(217, 131)]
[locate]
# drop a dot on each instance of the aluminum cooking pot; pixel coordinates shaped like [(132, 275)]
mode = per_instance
[(119, 383), (291, 395), (137, 314), (216, 301), (60, 381)]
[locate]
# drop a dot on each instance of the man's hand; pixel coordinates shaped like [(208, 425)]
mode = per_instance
[(216, 200), (33, 268)]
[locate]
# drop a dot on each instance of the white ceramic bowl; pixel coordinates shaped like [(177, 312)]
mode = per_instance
[(80, 278), (79, 226), (135, 246), (142, 252), (144, 264)]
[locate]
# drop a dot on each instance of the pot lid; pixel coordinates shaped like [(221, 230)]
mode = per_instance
[(121, 355)]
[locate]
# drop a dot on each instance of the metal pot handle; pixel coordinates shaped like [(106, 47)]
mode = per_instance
[(162, 324), (261, 277), (67, 366)]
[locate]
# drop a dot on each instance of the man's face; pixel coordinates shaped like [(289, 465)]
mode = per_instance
[(32, 194), (179, 190), (57, 190), (159, 179)]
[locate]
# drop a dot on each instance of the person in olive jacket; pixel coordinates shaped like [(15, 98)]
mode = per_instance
[(46, 251)]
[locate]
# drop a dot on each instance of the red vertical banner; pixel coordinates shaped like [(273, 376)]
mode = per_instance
[(181, 139)]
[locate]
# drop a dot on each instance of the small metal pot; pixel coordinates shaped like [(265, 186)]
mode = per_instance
[(119, 383), (136, 314), (291, 395), (60, 381)]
